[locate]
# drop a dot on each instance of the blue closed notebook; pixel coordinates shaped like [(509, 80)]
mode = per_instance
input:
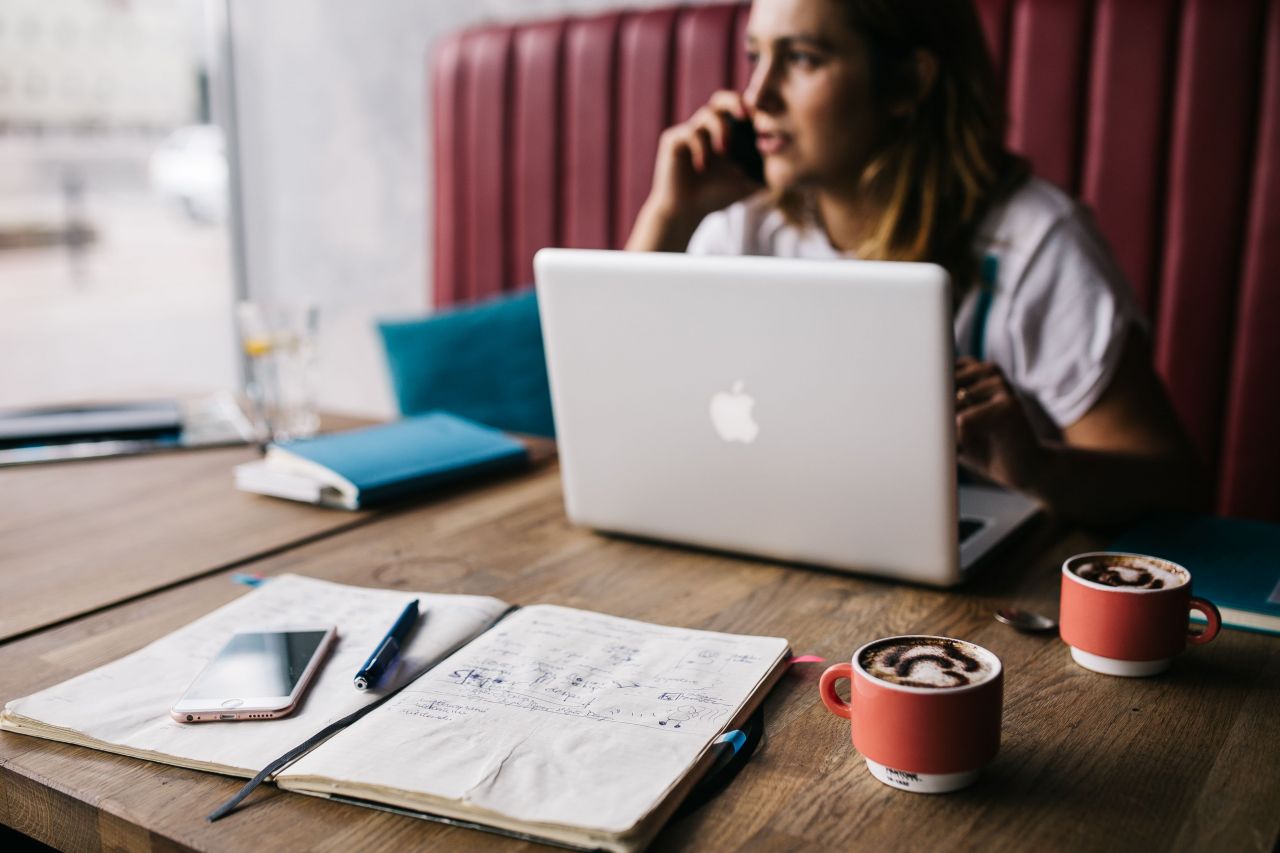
[(362, 467), (1233, 563)]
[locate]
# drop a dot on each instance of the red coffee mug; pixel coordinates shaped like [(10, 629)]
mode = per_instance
[(922, 739), (1118, 630)]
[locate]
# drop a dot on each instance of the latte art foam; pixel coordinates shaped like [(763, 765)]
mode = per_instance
[(930, 662), (1129, 572)]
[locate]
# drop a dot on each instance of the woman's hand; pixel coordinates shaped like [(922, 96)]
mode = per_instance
[(693, 173), (993, 435), (693, 176), (1124, 458)]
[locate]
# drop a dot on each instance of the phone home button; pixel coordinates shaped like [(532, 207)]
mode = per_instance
[(233, 703)]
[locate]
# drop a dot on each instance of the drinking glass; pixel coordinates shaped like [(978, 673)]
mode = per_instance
[(279, 340)]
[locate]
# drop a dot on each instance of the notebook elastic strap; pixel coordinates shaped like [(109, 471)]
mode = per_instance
[(293, 755)]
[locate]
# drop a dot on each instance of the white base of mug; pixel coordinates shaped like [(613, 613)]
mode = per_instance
[(922, 783), (1112, 666)]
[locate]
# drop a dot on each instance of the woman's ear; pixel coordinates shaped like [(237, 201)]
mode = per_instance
[(920, 73)]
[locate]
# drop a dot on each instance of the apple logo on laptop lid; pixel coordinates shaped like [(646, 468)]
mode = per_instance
[(731, 415)]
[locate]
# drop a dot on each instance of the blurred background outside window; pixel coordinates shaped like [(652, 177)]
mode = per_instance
[(118, 244), (115, 274)]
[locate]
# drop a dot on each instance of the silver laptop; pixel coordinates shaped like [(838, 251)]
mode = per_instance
[(796, 410)]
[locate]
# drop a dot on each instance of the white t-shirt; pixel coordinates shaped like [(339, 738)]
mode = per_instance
[(1058, 312)]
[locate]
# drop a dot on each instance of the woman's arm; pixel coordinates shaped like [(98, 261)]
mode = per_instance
[(1126, 457), (660, 229)]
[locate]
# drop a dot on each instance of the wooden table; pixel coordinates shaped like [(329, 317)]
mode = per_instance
[(79, 536), (1188, 760)]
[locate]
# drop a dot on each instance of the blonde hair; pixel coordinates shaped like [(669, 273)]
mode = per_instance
[(936, 170)]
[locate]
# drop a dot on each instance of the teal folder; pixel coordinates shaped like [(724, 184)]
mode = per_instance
[(373, 465), (1233, 562)]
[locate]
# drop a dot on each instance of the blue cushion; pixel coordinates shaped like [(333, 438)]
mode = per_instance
[(484, 362)]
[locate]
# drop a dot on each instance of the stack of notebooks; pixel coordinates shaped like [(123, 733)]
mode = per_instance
[(552, 723), (88, 430), (365, 467)]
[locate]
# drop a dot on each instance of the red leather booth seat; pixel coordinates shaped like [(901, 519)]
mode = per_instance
[(1164, 115)]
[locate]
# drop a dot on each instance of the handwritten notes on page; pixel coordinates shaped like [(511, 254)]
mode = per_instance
[(124, 706), (556, 716)]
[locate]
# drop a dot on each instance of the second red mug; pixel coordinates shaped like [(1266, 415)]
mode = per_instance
[(1126, 614)]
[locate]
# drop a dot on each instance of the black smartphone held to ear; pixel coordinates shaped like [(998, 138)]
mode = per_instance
[(742, 149)]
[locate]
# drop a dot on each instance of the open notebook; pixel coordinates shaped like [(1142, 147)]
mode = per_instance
[(562, 724)]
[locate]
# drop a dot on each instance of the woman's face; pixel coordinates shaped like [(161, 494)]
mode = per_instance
[(810, 94)]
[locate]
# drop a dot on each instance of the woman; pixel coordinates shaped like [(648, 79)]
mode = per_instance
[(880, 126)]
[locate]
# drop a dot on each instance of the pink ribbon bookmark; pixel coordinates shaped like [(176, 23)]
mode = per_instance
[(806, 659)]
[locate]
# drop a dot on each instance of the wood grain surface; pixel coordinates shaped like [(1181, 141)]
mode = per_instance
[(78, 536), (1183, 761)]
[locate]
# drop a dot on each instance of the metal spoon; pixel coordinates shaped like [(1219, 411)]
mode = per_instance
[(1025, 620)]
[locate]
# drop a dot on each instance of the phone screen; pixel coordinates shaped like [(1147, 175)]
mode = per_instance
[(257, 664), (743, 151)]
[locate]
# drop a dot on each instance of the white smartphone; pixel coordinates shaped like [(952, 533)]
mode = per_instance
[(258, 675)]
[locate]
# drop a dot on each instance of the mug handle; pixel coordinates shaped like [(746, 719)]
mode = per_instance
[(1213, 621), (827, 689)]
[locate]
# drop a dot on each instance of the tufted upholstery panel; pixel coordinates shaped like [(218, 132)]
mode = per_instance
[(1163, 115)]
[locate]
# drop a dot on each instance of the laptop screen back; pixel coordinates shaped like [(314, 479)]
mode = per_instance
[(797, 410)]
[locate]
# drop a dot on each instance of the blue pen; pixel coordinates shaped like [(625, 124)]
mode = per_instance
[(388, 650)]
